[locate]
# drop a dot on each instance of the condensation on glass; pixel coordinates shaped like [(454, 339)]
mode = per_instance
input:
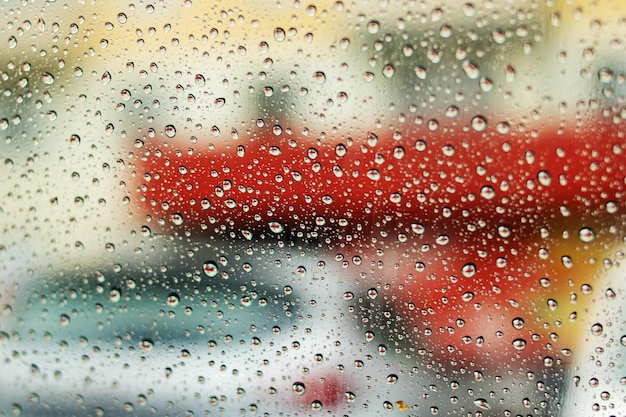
[(313, 208)]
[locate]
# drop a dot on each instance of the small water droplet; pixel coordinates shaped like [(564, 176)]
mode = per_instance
[(586, 235), (47, 78), (298, 388), (276, 227), (373, 26), (470, 69), (552, 304), (596, 329), (567, 261), (210, 269), (279, 34), (482, 403), (518, 323), (544, 178), (468, 270), (173, 299), (170, 131), (147, 345), (519, 344), (479, 123), (388, 71)]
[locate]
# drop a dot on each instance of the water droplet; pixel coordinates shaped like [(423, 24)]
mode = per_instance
[(467, 297), (47, 78), (544, 178), (468, 270), (298, 388), (276, 227), (509, 73), (482, 403), (552, 304), (392, 378), (316, 405), (519, 344), (279, 34), (586, 235), (177, 219), (373, 26), (470, 69), (610, 294), (210, 269), (388, 71), (486, 84), (369, 336), (479, 123), (147, 345), (504, 231), (611, 207), (173, 299), (596, 329), (518, 323), (567, 261), (420, 72), (372, 293), (170, 131)]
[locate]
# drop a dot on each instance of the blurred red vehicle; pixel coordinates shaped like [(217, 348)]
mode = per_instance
[(465, 213)]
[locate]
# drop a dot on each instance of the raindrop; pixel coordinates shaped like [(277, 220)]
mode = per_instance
[(479, 123), (115, 294), (504, 231), (210, 269), (47, 78), (567, 261), (279, 34), (519, 344), (468, 270), (276, 227), (420, 72), (544, 178), (177, 219), (373, 26), (316, 405), (200, 80), (170, 131), (482, 403), (596, 329), (74, 140), (518, 323), (586, 235), (610, 294), (173, 299), (388, 70), (611, 207), (298, 388), (147, 345), (467, 297), (470, 69), (552, 304)]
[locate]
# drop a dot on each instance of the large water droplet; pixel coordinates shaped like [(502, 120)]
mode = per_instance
[(298, 388), (210, 269), (586, 235)]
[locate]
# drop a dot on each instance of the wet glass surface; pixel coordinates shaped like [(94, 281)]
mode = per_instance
[(313, 208)]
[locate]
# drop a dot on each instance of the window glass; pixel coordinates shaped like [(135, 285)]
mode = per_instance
[(294, 208)]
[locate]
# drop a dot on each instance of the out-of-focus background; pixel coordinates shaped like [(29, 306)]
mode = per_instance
[(304, 208)]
